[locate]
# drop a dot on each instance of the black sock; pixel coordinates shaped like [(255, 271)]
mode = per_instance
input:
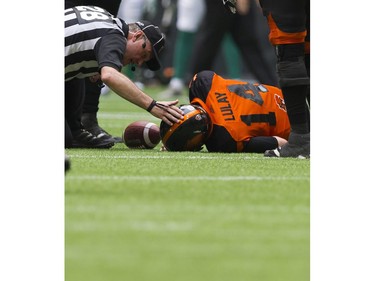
[(295, 100)]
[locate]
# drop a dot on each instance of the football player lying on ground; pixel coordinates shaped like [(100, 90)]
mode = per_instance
[(228, 116)]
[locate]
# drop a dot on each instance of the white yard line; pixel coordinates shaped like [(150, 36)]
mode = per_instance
[(167, 155), (181, 178)]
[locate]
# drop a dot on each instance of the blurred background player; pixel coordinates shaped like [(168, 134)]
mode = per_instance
[(249, 30), (189, 16), (188, 21), (229, 116)]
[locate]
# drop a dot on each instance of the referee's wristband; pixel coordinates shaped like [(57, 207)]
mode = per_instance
[(151, 106)]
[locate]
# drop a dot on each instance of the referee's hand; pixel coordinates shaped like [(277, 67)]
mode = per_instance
[(167, 111)]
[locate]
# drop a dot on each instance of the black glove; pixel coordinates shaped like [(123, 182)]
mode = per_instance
[(230, 5)]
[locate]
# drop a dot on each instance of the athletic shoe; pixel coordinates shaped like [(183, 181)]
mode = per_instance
[(140, 85), (170, 93), (102, 134), (175, 89), (67, 163), (90, 123), (84, 139), (298, 146)]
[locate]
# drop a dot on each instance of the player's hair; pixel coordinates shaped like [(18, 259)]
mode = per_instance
[(133, 27)]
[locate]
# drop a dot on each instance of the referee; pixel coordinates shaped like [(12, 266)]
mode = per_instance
[(98, 45)]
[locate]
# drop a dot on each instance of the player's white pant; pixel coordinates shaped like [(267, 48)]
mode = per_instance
[(190, 14), (131, 10)]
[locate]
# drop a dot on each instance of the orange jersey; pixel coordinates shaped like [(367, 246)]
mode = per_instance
[(242, 109)]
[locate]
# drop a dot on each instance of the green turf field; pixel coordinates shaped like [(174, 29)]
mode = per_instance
[(142, 215)]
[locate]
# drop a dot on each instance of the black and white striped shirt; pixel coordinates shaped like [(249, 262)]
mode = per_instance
[(93, 38)]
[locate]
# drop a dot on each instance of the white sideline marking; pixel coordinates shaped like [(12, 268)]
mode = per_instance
[(143, 225), (170, 156), (161, 226), (182, 178)]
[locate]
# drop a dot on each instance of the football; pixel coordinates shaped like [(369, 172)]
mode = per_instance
[(141, 134)]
